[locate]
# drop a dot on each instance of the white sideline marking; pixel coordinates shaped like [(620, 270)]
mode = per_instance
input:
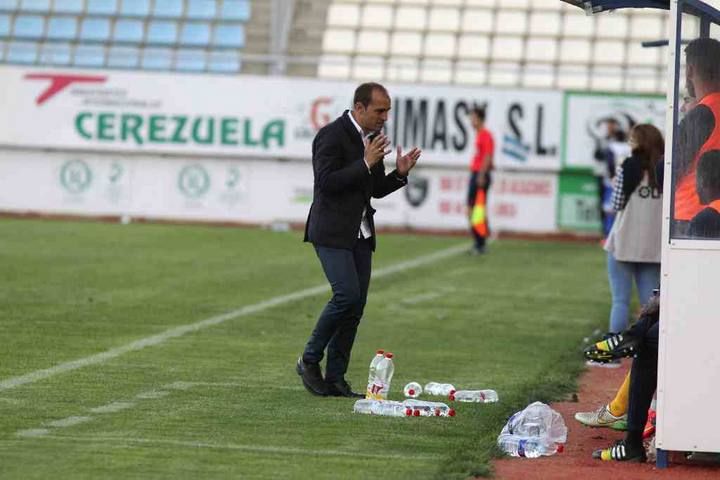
[(189, 385), (69, 421), (241, 447), (152, 394), (113, 407), (33, 432), (181, 330)]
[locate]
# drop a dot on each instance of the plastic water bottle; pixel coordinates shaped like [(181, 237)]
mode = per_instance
[(429, 409), (443, 389), (412, 390), (379, 355), (380, 407), (477, 396), (529, 447), (383, 376)]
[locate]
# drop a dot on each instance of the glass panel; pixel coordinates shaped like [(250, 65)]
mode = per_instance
[(102, 7), (68, 6), (95, 29), (235, 10), (135, 8), (195, 33), (224, 61), (35, 6), (157, 58), (89, 56), (168, 8), (22, 52), (162, 32), (229, 35), (54, 53), (202, 9), (62, 28), (29, 26), (123, 57), (190, 60), (128, 31), (695, 205)]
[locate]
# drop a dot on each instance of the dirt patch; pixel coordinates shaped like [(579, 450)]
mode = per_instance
[(597, 386)]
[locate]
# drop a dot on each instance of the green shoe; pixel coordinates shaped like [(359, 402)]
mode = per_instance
[(620, 425)]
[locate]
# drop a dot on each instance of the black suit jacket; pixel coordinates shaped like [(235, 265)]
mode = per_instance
[(343, 186)]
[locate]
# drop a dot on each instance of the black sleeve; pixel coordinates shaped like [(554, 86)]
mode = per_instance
[(328, 160), (385, 184), (631, 175)]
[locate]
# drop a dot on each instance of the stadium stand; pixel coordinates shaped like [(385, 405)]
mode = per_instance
[(515, 43), (184, 35)]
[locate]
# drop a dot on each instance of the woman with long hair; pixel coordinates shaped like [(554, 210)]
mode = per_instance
[(634, 243)]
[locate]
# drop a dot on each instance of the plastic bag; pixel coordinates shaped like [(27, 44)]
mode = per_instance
[(537, 420)]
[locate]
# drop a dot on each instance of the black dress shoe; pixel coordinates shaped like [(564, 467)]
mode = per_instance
[(341, 388), (312, 378)]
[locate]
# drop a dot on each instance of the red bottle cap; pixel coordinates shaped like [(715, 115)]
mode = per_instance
[(437, 412), (380, 352), (451, 412), (389, 355), (451, 397), (408, 412), (560, 447), (411, 391), (452, 392), (416, 413)]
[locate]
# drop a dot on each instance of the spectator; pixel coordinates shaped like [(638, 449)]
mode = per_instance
[(633, 245)]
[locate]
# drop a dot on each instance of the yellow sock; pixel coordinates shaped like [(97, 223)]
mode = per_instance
[(619, 405)]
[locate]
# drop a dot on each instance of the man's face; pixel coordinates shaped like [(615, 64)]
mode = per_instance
[(373, 117), (475, 121)]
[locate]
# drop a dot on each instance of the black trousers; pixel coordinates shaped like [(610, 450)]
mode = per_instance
[(348, 272), (643, 375), (472, 193)]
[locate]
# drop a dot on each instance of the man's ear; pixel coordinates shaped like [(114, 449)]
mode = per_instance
[(690, 71)]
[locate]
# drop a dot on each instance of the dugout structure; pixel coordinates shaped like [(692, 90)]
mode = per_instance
[(689, 363)]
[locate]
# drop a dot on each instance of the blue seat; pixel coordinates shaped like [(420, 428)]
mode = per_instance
[(68, 6), (168, 8), (29, 26), (135, 8), (235, 10), (101, 7), (95, 29), (195, 33), (55, 53), (62, 28), (224, 61), (157, 58), (201, 9), (123, 57), (22, 52), (162, 32), (4, 25), (129, 31), (190, 60), (89, 56), (41, 6), (229, 35), (8, 5)]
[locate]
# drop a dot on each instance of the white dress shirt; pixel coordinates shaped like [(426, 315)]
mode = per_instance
[(364, 224)]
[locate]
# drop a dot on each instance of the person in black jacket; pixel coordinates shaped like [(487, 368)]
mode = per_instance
[(348, 168)]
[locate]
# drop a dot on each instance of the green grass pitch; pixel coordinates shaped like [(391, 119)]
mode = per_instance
[(224, 401)]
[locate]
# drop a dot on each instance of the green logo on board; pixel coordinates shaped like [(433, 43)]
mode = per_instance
[(75, 176), (194, 181)]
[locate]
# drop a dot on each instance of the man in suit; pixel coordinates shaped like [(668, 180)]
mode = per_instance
[(348, 168)]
